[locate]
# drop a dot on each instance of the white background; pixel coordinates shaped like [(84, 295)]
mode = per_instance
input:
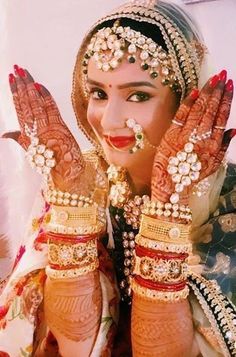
[(44, 36)]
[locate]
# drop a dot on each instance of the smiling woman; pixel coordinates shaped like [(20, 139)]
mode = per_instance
[(141, 212)]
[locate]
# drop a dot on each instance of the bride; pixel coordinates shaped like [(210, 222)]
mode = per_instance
[(130, 247)]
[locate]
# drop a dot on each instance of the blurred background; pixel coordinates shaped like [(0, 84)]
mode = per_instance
[(44, 36)]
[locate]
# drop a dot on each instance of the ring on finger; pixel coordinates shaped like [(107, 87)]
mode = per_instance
[(219, 127), (177, 122), (195, 137)]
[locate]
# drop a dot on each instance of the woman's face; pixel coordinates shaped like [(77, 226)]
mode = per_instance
[(128, 92)]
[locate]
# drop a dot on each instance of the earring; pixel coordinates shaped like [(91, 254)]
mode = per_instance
[(139, 135)]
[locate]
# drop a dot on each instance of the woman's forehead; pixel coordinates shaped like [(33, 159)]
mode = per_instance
[(125, 73)]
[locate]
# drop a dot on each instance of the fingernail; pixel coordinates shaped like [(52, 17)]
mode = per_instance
[(21, 72), (11, 78), (194, 94), (223, 75), (229, 86), (16, 68), (232, 133), (37, 86), (214, 80)]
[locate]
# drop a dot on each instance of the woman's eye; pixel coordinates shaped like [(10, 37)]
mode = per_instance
[(98, 94), (139, 97)]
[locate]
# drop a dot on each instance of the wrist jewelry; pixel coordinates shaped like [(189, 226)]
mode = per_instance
[(162, 246), (168, 232), (38, 155), (71, 273), (160, 209), (168, 295), (161, 270), (67, 199), (70, 255), (76, 220)]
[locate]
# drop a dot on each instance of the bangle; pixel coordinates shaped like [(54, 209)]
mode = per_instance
[(168, 232), (76, 220), (67, 199), (143, 252), (72, 239), (160, 209), (71, 273), (165, 296), (79, 254), (158, 286), (160, 270), (162, 246)]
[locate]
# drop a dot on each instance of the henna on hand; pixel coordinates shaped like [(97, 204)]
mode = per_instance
[(33, 102), (73, 312), (161, 329), (210, 111)]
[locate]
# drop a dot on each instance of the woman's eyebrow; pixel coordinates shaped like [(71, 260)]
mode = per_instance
[(95, 83), (125, 85), (137, 84)]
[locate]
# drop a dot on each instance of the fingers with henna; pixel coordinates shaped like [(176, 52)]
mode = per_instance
[(228, 136), (214, 103), (200, 105), (184, 109), (50, 105), (223, 112)]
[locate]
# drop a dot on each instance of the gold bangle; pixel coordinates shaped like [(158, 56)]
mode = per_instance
[(160, 270), (71, 273), (74, 216), (76, 220), (67, 199), (72, 254), (166, 296), (162, 246), (168, 232)]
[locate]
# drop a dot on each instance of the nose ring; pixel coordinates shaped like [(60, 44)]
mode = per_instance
[(139, 135)]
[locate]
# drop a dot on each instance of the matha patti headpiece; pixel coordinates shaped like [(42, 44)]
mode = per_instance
[(110, 45)]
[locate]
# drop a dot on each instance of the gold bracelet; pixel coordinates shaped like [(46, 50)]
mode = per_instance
[(158, 209), (67, 199), (162, 246), (160, 270), (166, 296), (76, 220), (71, 273), (72, 254), (164, 231), (74, 216)]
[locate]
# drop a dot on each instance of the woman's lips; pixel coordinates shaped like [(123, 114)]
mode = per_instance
[(119, 141)]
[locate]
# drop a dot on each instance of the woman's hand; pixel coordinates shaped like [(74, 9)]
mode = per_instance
[(33, 102), (207, 111)]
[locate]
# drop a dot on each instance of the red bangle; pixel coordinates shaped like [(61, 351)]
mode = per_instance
[(72, 239), (67, 267), (158, 286), (151, 253)]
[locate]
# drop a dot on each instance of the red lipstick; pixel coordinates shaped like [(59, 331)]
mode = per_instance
[(119, 141)]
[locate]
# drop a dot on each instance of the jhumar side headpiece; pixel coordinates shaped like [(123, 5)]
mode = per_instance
[(179, 66)]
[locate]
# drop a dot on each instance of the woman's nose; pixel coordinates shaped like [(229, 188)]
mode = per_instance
[(112, 117)]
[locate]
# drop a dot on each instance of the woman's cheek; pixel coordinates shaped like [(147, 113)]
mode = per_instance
[(93, 117)]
